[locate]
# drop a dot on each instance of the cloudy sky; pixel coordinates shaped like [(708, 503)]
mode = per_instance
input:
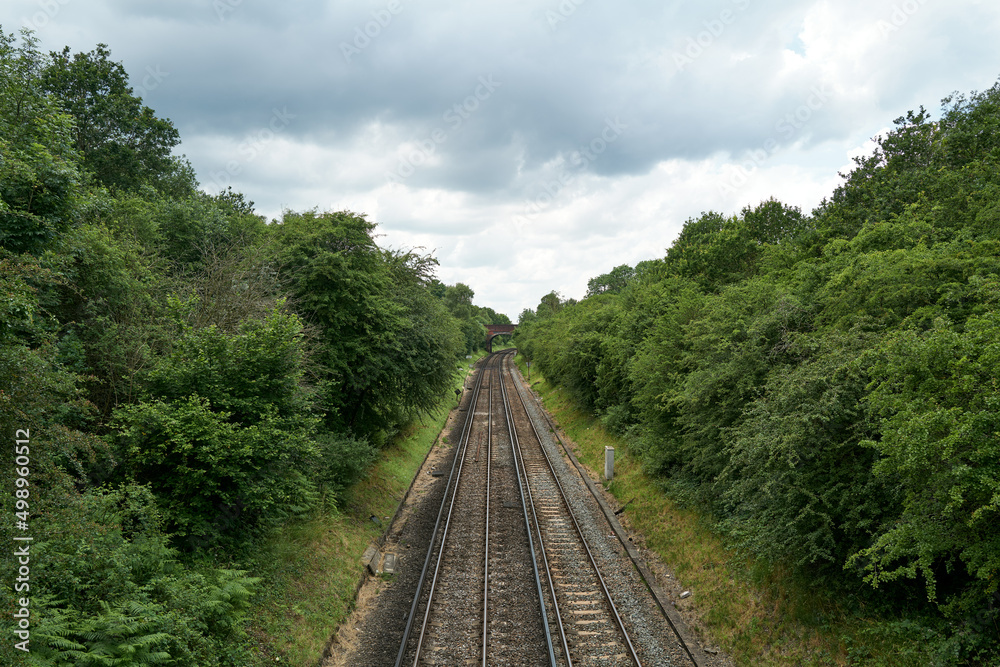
[(530, 144)]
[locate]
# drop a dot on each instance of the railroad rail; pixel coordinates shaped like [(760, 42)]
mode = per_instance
[(596, 633), (508, 577)]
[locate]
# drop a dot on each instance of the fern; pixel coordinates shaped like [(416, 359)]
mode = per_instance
[(229, 599), (122, 636)]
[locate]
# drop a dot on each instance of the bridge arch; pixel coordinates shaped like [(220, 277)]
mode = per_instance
[(494, 330)]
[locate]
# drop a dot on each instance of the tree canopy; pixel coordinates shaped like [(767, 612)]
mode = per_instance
[(120, 140)]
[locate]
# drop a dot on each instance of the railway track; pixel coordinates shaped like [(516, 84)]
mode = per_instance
[(587, 622), (508, 577)]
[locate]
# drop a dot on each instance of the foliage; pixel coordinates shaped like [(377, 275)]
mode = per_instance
[(429, 340), (120, 140), (39, 178), (612, 282), (472, 319), (374, 315), (825, 386), (226, 430), (457, 299), (114, 590), (937, 396), (189, 375), (797, 483), (110, 299), (341, 461)]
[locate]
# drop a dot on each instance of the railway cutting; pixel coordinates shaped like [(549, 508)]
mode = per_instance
[(507, 559)]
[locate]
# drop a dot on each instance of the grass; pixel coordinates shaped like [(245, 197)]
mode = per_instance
[(756, 612), (311, 568)]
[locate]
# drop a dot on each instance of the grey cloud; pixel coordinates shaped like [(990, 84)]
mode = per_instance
[(566, 66), (559, 84)]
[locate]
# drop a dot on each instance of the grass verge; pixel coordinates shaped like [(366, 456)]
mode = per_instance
[(311, 568), (756, 612)]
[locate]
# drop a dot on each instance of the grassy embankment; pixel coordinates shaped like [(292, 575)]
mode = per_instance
[(756, 612), (311, 568)]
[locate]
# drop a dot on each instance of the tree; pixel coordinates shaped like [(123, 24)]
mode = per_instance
[(375, 316), (526, 317), (773, 222), (226, 425), (458, 298), (936, 395), (430, 339), (122, 142), (39, 178), (490, 316), (471, 318), (714, 251), (613, 282), (550, 304), (23, 100)]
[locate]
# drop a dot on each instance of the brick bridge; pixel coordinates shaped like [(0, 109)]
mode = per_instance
[(494, 330)]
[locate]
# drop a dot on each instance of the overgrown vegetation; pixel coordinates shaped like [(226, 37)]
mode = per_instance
[(825, 386), (192, 377), (311, 568), (758, 613)]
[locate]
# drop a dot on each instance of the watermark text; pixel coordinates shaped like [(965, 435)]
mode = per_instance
[(22, 538)]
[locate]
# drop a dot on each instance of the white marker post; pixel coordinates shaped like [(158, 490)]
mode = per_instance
[(609, 463)]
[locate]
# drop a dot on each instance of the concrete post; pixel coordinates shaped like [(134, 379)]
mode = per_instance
[(609, 463)]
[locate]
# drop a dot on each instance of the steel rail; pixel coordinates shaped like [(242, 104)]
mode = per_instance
[(525, 503), (486, 546), (459, 455), (444, 535), (604, 588)]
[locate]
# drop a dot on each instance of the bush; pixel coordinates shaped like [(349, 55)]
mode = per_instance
[(116, 593)]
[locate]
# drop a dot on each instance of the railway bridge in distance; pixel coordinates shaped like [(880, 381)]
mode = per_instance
[(494, 330)]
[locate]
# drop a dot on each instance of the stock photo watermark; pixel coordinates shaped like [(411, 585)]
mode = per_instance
[(225, 7), (785, 130), (455, 116), (49, 10), (151, 80), (581, 158), (714, 28), (363, 35), (899, 17), (251, 147), (22, 537), (562, 13)]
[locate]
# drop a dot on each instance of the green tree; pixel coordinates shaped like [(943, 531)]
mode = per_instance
[(378, 324), (797, 485), (110, 308), (458, 298), (122, 142), (527, 315), (39, 179), (614, 281), (225, 429), (550, 304), (773, 222), (116, 593), (429, 341), (937, 395), (490, 316)]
